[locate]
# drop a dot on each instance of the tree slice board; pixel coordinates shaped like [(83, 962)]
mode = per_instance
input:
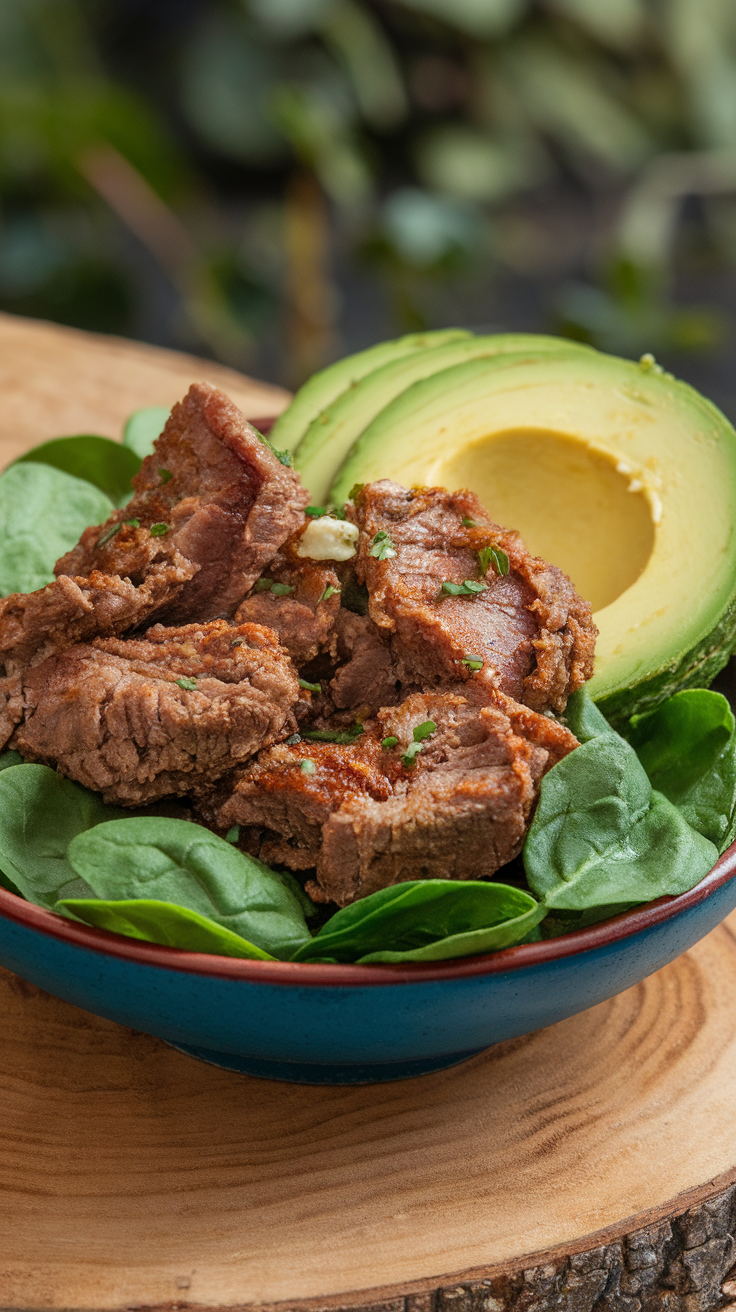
[(591, 1165)]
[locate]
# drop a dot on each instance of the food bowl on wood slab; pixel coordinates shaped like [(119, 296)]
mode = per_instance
[(352, 1024)]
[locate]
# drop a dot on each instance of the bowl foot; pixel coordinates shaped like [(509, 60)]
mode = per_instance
[(297, 1072)]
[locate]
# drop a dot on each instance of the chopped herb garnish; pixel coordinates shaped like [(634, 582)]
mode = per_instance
[(389, 742), (281, 589), (409, 757), (110, 533), (237, 642), (485, 555), (310, 687), (328, 592), (165, 475), (342, 736), (469, 588), (158, 530), (468, 522), (382, 547), (187, 684), (263, 585), (233, 834), (473, 662), (315, 511), (355, 491), (132, 523), (293, 739), (423, 730), (500, 560), (283, 456), (308, 767), (336, 514), (495, 554)]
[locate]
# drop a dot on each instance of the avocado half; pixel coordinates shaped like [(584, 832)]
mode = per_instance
[(615, 471)]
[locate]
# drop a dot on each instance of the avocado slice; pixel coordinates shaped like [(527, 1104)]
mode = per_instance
[(615, 471), (322, 388), (329, 438)]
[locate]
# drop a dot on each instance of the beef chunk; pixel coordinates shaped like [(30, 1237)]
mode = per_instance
[(226, 501), (533, 632), (121, 717), (304, 618), (69, 610), (366, 678), (364, 820), (275, 794)]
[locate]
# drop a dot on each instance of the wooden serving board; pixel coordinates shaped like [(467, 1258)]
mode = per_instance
[(588, 1166)]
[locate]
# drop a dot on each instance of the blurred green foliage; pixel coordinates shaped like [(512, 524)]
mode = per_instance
[(252, 147)]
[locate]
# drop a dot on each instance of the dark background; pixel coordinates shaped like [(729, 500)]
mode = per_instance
[(275, 183)]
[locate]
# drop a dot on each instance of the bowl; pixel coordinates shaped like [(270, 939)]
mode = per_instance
[(347, 1024)]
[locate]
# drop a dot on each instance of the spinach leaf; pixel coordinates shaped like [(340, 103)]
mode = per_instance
[(161, 922), (601, 835), (584, 719), (177, 861), (688, 749), (43, 512), (425, 920), (40, 813), (109, 465), (8, 759), (142, 429)]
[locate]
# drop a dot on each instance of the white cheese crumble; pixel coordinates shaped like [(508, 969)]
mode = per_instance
[(328, 539)]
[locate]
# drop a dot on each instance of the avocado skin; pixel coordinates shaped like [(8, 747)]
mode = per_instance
[(697, 668)]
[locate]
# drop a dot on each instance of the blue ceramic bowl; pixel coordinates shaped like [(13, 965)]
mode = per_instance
[(320, 1024)]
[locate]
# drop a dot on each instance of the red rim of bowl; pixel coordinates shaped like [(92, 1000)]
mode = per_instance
[(607, 932)]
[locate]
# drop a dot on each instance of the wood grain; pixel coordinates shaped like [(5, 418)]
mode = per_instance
[(131, 1173), (589, 1166), (57, 381)]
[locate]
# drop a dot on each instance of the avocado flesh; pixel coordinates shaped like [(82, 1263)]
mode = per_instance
[(322, 388), (629, 479), (330, 437)]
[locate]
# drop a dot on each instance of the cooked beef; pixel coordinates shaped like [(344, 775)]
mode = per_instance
[(304, 618), (533, 632), (69, 610), (364, 820), (214, 492), (366, 678), (120, 717), (275, 794)]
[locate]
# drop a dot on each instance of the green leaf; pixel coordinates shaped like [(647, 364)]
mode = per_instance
[(688, 749), (164, 860), (109, 465), (9, 759), (40, 813), (584, 719), (161, 922), (601, 835), (43, 512), (425, 920), (142, 429)]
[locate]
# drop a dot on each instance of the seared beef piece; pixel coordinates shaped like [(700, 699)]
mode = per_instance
[(367, 678), (226, 501), (365, 820), (69, 610), (277, 795), (114, 715), (534, 633), (303, 618)]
